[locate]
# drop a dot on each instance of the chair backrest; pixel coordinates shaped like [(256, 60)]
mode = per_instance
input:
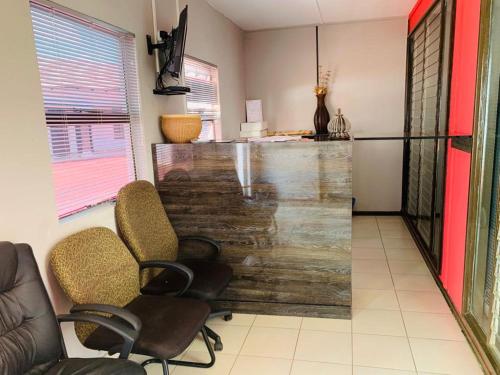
[(144, 225), (30, 339), (94, 266)]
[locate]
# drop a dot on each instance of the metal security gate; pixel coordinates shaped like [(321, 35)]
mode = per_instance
[(426, 117)]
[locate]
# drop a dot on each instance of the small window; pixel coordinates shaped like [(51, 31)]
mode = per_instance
[(203, 79), (91, 99)]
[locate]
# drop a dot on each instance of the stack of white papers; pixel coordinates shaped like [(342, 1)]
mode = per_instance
[(253, 129), (276, 138), (255, 126)]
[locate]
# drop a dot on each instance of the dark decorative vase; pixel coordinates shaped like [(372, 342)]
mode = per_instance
[(321, 117)]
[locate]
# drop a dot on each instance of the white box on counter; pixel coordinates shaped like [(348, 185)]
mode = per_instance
[(253, 133), (253, 126)]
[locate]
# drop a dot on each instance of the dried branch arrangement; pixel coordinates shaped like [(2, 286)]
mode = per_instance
[(324, 81)]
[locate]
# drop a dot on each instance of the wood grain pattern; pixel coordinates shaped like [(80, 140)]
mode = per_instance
[(282, 212)]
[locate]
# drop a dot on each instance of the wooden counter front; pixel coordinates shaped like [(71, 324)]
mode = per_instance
[(282, 212)]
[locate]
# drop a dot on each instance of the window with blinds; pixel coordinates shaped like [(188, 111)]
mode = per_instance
[(203, 79), (91, 99)]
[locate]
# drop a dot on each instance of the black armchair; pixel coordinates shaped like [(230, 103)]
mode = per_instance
[(30, 336)]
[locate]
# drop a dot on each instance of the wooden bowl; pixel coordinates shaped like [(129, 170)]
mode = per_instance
[(181, 128)]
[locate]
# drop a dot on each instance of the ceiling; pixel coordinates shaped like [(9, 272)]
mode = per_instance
[(251, 15)]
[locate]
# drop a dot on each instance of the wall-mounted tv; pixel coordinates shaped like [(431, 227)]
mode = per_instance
[(170, 48)]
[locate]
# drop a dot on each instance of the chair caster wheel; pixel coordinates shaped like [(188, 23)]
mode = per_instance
[(218, 346), (229, 317)]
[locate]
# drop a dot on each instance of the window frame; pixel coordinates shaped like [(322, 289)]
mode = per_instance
[(217, 123), (131, 121)]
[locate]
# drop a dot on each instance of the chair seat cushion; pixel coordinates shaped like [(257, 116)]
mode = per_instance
[(96, 366), (210, 280), (169, 325)]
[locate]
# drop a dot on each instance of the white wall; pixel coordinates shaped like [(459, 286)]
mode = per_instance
[(280, 69), (26, 193), (369, 63), (27, 203), (215, 39)]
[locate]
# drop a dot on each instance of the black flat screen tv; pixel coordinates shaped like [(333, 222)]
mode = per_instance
[(176, 58), (170, 56)]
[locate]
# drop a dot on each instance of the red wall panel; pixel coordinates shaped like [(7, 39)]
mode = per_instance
[(462, 100), (418, 11), (455, 223)]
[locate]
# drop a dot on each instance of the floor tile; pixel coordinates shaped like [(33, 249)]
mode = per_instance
[(270, 342), (275, 321), (382, 351), (395, 233), (372, 281), (389, 219), (408, 267), (375, 242), (317, 346), (238, 320), (222, 366), (157, 369), (368, 253), (403, 254), (364, 219), (447, 357), (421, 283), (327, 325), (246, 365), (367, 232), (232, 339), (369, 224), (378, 322), (391, 225), (317, 368), (399, 243), (432, 326), (374, 299), (432, 302), (154, 368), (370, 266), (358, 370)]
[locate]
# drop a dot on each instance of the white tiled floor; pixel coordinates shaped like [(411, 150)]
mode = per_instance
[(401, 323)]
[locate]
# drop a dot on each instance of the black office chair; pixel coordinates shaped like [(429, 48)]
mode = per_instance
[(30, 337), (149, 235), (94, 267)]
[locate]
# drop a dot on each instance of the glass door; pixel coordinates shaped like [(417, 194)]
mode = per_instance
[(482, 284)]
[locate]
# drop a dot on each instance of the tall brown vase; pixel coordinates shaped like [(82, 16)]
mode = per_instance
[(321, 117)]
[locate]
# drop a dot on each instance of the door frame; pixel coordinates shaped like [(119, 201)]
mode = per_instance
[(477, 170)]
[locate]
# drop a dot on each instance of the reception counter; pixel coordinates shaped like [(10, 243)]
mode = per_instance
[(282, 212)]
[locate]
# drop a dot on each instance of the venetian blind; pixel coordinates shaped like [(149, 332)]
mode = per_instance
[(91, 100), (424, 98), (203, 79)]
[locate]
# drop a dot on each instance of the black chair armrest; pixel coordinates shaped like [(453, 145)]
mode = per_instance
[(123, 314), (177, 267), (215, 245), (129, 335)]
